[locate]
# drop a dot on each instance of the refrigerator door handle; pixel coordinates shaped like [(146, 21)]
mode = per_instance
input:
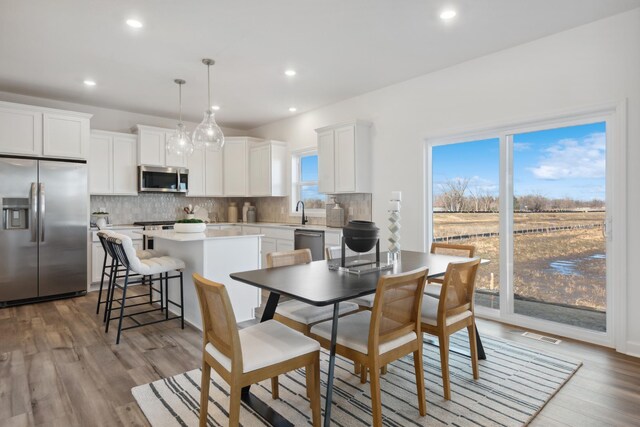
[(42, 211), (34, 212)]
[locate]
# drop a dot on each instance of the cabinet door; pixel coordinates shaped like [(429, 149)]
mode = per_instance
[(284, 245), (214, 173), (125, 177), (235, 168), (97, 258), (326, 162), (100, 165), (20, 132), (172, 159), (197, 170), (260, 171), (345, 159), (268, 246), (65, 136), (151, 147)]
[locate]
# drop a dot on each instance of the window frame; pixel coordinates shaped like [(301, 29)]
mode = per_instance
[(297, 184)]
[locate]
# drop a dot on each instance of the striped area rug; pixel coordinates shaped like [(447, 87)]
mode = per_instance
[(515, 383)]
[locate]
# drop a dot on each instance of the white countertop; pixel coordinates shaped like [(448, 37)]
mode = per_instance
[(281, 226), (192, 237)]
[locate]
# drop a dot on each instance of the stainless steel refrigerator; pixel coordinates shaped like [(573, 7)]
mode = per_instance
[(43, 238)]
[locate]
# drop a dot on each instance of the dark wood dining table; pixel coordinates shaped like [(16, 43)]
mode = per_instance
[(316, 284)]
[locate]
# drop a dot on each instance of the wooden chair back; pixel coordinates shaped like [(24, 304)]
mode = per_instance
[(397, 307), (218, 321), (458, 289), (286, 258), (451, 249)]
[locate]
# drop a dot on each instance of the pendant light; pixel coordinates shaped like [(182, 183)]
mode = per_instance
[(179, 142), (208, 134)]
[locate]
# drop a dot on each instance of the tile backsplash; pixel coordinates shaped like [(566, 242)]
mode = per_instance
[(167, 207)]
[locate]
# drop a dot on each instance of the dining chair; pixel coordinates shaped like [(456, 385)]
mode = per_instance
[(297, 314), (451, 312), (253, 354), (388, 332), (364, 302), (434, 285)]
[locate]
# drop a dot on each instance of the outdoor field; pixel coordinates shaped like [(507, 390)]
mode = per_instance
[(554, 266)]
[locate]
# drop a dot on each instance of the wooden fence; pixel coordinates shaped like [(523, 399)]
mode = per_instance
[(523, 231)]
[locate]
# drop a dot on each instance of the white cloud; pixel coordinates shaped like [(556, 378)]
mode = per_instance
[(572, 158), (521, 146)]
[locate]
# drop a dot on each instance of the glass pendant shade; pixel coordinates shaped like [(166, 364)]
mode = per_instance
[(179, 142), (208, 134)]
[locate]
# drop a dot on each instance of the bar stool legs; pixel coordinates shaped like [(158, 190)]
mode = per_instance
[(124, 298)]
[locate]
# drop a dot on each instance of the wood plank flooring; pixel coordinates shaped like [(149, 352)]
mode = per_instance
[(59, 368)]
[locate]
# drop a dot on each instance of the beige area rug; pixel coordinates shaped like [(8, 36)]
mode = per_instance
[(515, 383)]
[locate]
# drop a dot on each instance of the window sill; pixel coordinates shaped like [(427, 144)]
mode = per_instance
[(315, 213)]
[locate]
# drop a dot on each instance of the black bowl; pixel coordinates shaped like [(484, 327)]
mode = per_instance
[(360, 236)]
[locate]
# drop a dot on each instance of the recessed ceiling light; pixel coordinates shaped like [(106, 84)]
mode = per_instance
[(293, 109), (215, 107), (134, 23), (89, 82), (448, 14), (290, 73)]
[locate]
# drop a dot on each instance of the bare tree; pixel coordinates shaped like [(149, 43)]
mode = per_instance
[(452, 194)]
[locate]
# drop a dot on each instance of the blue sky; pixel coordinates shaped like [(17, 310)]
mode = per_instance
[(556, 163)]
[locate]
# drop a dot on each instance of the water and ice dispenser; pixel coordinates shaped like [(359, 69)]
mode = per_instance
[(15, 213)]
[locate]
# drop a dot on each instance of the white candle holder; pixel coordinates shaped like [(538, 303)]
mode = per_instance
[(393, 255)]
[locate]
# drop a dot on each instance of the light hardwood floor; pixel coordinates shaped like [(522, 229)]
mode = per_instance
[(59, 368)]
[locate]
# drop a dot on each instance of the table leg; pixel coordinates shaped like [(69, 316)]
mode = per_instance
[(260, 407), (332, 362), (462, 351)]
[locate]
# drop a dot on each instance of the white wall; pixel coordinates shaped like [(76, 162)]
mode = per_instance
[(107, 118), (593, 64)]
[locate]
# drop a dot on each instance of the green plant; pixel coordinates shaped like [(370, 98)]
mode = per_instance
[(189, 221)]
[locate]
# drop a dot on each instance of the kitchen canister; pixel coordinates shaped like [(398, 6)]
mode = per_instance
[(245, 209), (232, 212), (251, 214)]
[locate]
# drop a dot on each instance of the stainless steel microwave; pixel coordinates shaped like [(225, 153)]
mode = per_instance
[(154, 179)]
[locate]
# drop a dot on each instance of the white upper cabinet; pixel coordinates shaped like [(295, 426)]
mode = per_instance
[(214, 173), (344, 158), (112, 163), (37, 131), (151, 146), (65, 135), (236, 166), (267, 171), (196, 163)]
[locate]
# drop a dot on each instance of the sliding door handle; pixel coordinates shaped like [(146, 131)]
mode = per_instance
[(33, 200), (42, 211)]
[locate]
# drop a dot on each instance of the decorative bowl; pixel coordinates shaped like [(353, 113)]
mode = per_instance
[(197, 227), (360, 236)]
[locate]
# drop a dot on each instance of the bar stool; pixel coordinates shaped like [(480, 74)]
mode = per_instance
[(125, 255), (108, 264)]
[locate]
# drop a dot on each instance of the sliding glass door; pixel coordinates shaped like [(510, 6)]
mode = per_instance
[(559, 213), (533, 201)]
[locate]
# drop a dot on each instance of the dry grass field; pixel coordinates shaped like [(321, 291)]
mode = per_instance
[(564, 267)]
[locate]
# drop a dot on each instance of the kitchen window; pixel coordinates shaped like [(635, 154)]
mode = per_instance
[(304, 173)]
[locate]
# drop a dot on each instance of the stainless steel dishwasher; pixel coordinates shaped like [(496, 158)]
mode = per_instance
[(310, 239)]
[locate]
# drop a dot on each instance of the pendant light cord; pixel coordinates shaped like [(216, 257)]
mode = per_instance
[(209, 86), (180, 101)]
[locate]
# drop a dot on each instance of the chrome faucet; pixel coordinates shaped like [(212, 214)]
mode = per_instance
[(304, 218)]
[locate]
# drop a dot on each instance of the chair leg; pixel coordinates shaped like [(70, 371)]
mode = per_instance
[(313, 389), (356, 368), (376, 403), (274, 388), (104, 267), (234, 405), (307, 375), (182, 301), (383, 370), (110, 294), (444, 363), (417, 363), (473, 345), (363, 374), (124, 298), (204, 393), (166, 292)]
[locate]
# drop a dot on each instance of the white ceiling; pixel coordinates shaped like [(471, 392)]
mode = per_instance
[(340, 48)]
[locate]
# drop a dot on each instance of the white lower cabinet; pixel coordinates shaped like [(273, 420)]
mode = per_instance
[(284, 245), (268, 246)]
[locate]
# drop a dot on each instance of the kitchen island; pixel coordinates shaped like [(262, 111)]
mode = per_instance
[(214, 254)]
